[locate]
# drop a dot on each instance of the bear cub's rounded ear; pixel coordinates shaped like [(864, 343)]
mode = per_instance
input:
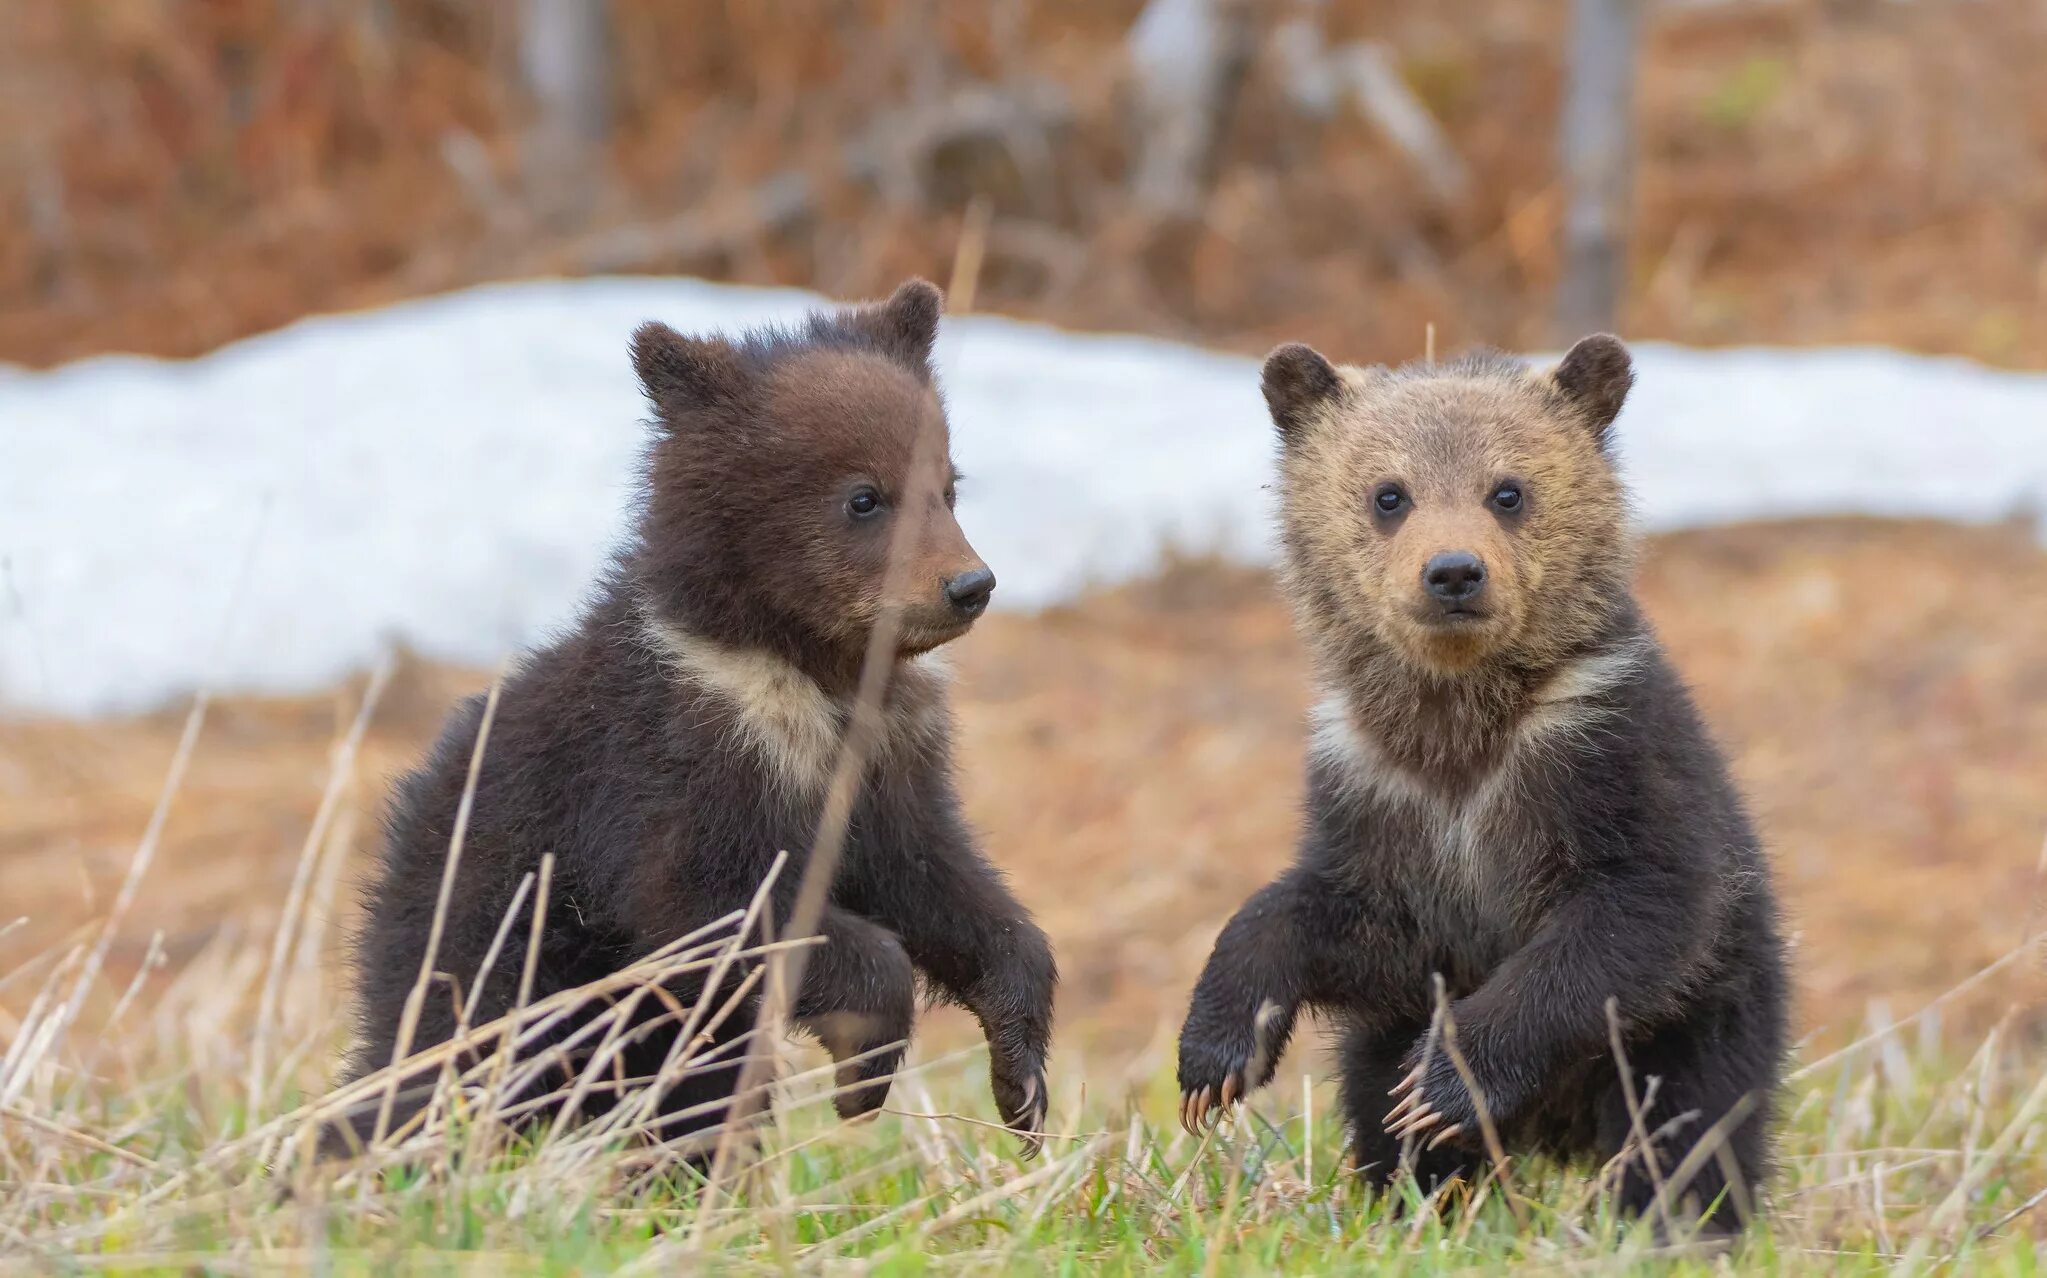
[(1296, 381), (679, 373), (1595, 375), (906, 325)]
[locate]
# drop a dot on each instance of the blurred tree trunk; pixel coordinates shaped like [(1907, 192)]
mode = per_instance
[(565, 59), (1190, 58), (32, 182), (1596, 149)]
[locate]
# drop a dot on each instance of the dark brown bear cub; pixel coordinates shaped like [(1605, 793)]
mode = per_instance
[(1508, 789), (687, 728)]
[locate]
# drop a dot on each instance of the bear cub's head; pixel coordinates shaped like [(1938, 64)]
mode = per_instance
[(801, 486), (1457, 514)]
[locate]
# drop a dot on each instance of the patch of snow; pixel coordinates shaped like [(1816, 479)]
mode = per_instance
[(452, 472)]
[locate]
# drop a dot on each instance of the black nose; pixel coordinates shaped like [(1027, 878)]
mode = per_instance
[(970, 590), (1455, 576)]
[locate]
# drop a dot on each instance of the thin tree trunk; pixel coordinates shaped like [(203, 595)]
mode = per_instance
[(565, 58), (1190, 58), (1596, 146)]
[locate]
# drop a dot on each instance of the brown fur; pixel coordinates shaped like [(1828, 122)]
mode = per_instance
[(669, 745), (776, 442), (1442, 702)]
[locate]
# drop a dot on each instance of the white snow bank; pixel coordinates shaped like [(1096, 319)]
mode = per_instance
[(452, 471)]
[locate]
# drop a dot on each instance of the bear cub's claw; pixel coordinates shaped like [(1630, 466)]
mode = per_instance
[(1020, 1098), (1432, 1105), (1219, 1067)]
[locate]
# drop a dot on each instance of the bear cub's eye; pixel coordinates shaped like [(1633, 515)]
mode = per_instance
[(1507, 496), (1389, 500), (864, 502)]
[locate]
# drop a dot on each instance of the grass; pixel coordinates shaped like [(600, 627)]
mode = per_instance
[(151, 1147), (153, 1117), (1871, 1169)]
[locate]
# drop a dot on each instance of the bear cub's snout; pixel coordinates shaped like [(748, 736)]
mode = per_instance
[(1455, 579)]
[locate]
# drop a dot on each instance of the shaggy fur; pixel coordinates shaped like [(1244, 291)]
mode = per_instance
[(685, 730), (1511, 793)]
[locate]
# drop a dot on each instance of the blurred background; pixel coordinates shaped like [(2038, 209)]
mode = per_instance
[(176, 175), (181, 173)]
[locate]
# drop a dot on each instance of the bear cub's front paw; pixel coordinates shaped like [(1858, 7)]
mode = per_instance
[(1432, 1105), (1223, 1058), (862, 1086), (866, 1049), (1018, 1081)]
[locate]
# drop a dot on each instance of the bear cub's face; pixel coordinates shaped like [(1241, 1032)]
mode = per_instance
[(808, 477), (1454, 513)]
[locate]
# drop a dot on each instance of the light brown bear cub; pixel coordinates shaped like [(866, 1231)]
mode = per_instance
[(1509, 791)]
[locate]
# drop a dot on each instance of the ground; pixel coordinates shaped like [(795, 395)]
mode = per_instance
[(1133, 758)]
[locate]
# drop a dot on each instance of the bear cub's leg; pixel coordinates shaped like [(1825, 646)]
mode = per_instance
[(1294, 943), (1242, 1012), (1689, 1079), (859, 998), (1372, 1062)]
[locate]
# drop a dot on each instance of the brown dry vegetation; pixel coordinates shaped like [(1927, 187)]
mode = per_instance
[(1133, 759), (177, 173)]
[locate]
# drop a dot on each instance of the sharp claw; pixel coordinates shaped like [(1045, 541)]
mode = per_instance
[(1445, 1134), (1186, 1119), (1418, 1123), (1393, 1126), (1231, 1091), (1408, 1102), (1413, 1076)]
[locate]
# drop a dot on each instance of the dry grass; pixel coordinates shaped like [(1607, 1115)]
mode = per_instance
[(1901, 1161), (174, 174), (1132, 759)]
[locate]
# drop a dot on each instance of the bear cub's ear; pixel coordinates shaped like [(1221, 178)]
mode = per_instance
[(1296, 381), (679, 373), (906, 325), (1595, 375)]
